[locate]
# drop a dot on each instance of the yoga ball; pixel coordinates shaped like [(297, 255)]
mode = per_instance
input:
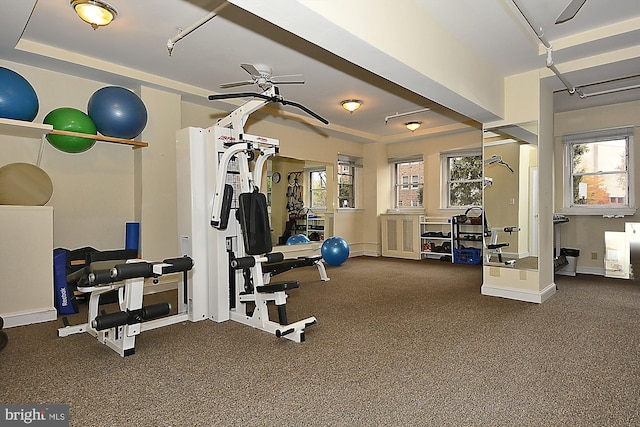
[(297, 239), (72, 120), (335, 250), (18, 99), (117, 112)]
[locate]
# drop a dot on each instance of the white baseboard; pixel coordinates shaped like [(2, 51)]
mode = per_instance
[(370, 253), (26, 318), (519, 294)]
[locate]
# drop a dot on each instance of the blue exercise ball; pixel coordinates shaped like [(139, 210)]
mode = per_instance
[(18, 99), (117, 112), (335, 251), (297, 239)]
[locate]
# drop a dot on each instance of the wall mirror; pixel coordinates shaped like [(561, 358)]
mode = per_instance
[(301, 195), (510, 155)]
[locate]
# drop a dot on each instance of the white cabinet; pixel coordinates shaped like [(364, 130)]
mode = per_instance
[(436, 238), (399, 236), (26, 262)]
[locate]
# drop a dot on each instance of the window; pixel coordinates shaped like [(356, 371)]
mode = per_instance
[(462, 175), (346, 175), (318, 188), (408, 182), (269, 190), (598, 179), (349, 176)]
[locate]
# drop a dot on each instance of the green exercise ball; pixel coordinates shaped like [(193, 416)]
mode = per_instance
[(72, 120)]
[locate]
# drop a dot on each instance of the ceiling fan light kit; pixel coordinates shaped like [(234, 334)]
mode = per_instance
[(94, 12)]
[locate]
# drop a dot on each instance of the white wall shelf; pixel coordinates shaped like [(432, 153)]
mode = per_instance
[(38, 130), (24, 129)]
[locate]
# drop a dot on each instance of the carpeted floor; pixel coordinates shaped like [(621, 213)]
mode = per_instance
[(397, 343)]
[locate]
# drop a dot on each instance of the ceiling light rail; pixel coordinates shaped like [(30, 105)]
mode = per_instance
[(539, 33), (185, 32), (396, 115), (608, 91)]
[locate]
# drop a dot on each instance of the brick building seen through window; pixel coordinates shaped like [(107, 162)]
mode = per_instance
[(409, 183)]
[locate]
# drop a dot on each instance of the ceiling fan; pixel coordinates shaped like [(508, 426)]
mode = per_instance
[(262, 75), (570, 11)]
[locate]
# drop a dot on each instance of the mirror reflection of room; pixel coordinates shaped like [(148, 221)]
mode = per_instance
[(510, 196), (299, 194)]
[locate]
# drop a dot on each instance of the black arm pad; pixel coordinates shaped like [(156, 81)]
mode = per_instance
[(107, 321), (274, 257), (99, 277), (177, 265), (240, 263), (155, 310), (129, 271)]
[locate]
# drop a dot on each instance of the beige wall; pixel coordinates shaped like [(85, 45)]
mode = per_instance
[(586, 232), (431, 148), (92, 191), (156, 206)]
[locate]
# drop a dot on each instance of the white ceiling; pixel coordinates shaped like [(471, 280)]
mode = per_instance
[(133, 49)]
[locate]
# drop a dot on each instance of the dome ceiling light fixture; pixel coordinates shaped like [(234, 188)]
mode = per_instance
[(351, 105), (94, 12), (413, 125)]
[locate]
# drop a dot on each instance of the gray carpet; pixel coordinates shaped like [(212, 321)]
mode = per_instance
[(397, 343)]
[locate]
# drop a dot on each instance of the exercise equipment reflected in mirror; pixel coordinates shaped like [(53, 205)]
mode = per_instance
[(301, 201), (510, 156)]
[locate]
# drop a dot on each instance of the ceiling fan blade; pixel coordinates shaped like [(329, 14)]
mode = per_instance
[(251, 69), (235, 84), (570, 11), (288, 79), (287, 82)]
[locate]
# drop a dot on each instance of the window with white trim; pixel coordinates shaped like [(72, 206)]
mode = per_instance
[(408, 182), (349, 177), (462, 178), (318, 188), (598, 178)]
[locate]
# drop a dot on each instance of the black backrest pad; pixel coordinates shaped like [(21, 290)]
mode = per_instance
[(254, 222)]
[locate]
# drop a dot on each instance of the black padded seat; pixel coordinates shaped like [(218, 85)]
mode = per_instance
[(277, 287)]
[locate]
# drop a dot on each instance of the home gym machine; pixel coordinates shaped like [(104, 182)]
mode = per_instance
[(118, 330), (223, 223)]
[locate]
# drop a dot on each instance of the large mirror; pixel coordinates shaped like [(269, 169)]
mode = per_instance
[(510, 156), (300, 195)]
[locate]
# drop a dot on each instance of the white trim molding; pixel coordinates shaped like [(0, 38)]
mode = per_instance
[(28, 317), (519, 294)]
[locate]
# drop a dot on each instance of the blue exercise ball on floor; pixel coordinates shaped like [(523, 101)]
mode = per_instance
[(18, 99), (335, 251), (297, 239), (117, 112)]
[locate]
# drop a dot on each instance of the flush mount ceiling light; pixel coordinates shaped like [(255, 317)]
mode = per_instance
[(413, 125), (94, 12), (351, 105)]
